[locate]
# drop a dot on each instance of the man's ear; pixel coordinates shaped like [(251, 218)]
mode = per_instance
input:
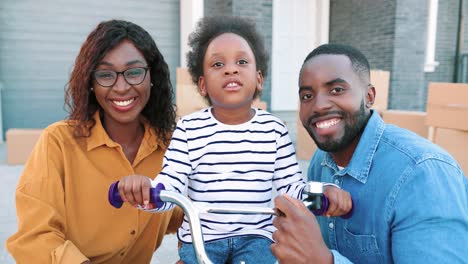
[(259, 81), (370, 96), (202, 86)]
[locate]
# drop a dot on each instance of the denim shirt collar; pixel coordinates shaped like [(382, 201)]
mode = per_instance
[(361, 161)]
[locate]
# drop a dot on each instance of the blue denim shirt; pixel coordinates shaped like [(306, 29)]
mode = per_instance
[(410, 200)]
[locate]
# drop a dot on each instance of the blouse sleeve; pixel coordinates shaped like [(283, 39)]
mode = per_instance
[(40, 206)]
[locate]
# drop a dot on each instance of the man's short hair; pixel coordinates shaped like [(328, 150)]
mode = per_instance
[(359, 62)]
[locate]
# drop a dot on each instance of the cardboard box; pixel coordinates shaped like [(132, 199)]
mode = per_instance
[(189, 100), (447, 105), (455, 142), (381, 81), (19, 144), (412, 120), (447, 118), (305, 145)]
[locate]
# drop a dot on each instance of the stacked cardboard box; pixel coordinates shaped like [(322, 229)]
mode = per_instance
[(381, 81), (188, 99), (412, 120), (19, 144), (447, 116)]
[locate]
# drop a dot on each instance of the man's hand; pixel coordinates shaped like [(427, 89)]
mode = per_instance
[(298, 238), (339, 201)]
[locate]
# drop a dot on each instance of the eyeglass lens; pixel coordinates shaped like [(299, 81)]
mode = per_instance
[(133, 76)]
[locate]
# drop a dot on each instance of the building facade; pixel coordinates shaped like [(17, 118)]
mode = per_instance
[(396, 34), (417, 41)]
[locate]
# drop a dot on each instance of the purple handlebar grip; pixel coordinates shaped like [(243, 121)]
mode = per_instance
[(115, 200), (154, 195), (114, 196), (324, 207)]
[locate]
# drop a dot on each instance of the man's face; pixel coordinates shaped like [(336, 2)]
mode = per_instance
[(334, 102)]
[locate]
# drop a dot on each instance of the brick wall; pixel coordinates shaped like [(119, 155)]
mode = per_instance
[(392, 34), (367, 25), (217, 7), (447, 31), (407, 73), (262, 12)]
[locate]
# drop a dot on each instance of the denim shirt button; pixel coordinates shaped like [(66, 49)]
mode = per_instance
[(331, 225), (337, 182)]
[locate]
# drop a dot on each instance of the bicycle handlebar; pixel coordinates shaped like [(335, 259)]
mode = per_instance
[(315, 201)]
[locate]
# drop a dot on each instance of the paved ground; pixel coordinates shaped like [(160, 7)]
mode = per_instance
[(9, 176)]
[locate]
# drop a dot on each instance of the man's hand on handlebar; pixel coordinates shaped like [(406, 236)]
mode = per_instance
[(298, 238), (339, 200)]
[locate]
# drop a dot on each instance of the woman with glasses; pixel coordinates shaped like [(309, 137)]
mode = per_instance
[(121, 120)]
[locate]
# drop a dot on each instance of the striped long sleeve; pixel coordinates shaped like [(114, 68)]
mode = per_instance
[(230, 165)]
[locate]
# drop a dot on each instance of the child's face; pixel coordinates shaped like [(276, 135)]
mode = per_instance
[(230, 77)]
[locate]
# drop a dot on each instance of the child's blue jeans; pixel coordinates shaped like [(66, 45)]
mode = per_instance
[(249, 249)]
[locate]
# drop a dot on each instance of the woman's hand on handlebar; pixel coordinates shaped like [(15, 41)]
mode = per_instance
[(135, 190)]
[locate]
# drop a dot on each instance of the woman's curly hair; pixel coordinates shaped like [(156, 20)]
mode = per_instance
[(81, 103), (208, 28)]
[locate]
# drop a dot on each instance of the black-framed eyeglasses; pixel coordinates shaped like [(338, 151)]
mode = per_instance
[(132, 76)]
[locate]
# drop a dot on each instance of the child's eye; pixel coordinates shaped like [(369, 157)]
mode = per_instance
[(337, 90), (305, 97), (218, 64), (243, 62)]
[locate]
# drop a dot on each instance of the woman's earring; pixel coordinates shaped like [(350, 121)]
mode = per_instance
[(91, 89), (152, 84)]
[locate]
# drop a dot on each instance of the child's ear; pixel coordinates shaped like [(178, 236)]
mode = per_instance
[(201, 86), (259, 81)]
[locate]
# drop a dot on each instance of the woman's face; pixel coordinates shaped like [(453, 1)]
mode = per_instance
[(122, 96)]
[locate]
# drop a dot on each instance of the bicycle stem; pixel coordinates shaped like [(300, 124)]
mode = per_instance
[(192, 214)]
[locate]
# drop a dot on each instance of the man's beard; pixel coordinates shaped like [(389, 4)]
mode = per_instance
[(354, 125)]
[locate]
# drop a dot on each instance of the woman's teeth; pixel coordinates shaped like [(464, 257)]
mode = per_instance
[(124, 103)]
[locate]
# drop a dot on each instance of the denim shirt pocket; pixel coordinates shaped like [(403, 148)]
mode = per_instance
[(364, 248)]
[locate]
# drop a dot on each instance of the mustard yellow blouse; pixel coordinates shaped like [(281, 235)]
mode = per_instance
[(62, 207)]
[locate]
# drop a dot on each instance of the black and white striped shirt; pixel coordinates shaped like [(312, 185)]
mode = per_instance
[(230, 165)]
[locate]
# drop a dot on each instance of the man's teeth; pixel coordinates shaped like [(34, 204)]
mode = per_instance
[(327, 123), (231, 84), (124, 103)]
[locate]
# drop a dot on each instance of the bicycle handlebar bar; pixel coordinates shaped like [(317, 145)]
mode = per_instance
[(315, 201)]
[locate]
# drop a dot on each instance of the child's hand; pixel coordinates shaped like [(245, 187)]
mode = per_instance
[(135, 190), (339, 201)]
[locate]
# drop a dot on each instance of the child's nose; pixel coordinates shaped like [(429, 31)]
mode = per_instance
[(231, 69)]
